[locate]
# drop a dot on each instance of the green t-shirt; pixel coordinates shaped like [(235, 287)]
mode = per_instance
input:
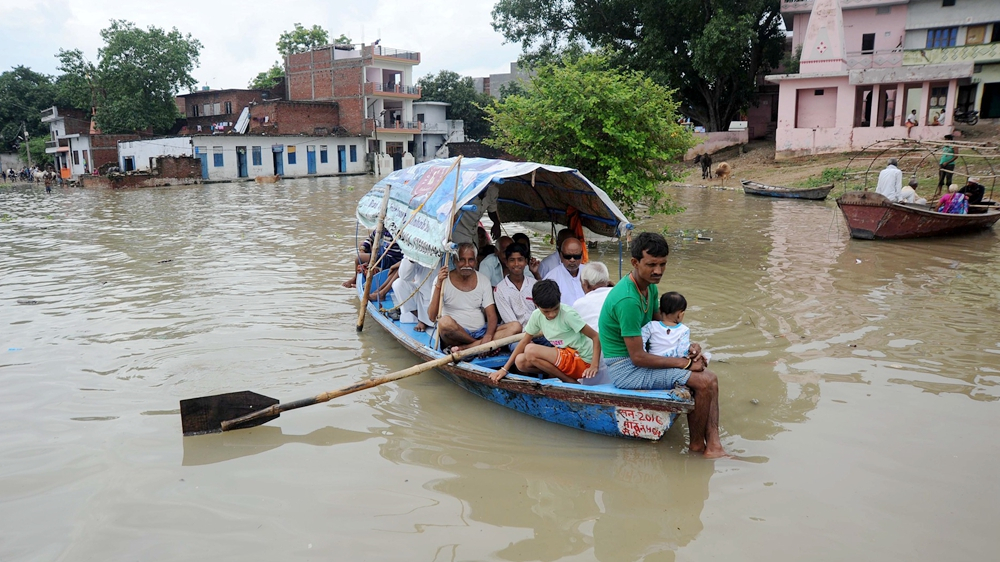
[(563, 331), (622, 316), (947, 155)]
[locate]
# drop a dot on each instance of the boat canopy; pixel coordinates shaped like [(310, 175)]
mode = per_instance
[(529, 192)]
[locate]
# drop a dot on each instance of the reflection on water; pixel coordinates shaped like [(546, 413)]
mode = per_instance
[(116, 304)]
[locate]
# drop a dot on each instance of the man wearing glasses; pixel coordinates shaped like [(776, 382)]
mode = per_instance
[(567, 273)]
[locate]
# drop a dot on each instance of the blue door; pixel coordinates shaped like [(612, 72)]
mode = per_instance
[(241, 161), (204, 161), (277, 154), (310, 159), (341, 159)]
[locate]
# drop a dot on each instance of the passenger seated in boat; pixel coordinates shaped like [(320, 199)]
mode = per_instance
[(513, 293), (668, 336), (973, 191), (567, 273), (890, 181), (468, 313), (626, 310), (909, 194), (576, 343), (533, 263), (552, 260), (596, 285), (494, 265), (387, 246), (953, 202), (414, 279)]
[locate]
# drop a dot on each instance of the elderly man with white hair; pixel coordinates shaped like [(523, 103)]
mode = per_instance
[(890, 181), (596, 286)]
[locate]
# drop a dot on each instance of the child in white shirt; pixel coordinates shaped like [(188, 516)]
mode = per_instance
[(668, 337)]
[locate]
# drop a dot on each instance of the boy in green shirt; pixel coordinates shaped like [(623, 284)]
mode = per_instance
[(577, 345)]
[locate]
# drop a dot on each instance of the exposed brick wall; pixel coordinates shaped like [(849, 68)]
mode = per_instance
[(297, 118), (119, 181), (238, 99), (77, 121), (104, 148), (178, 167)]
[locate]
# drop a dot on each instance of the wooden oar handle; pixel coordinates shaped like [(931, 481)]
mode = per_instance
[(370, 383)]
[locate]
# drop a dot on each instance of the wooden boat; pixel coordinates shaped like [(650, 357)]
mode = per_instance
[(528, 192), (871, 216), (811, 193)]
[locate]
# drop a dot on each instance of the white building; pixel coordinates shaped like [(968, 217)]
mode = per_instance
[(69, 144), (228, 157), (436, 130)]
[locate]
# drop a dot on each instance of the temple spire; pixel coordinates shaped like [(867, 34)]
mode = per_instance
[(823, 46)]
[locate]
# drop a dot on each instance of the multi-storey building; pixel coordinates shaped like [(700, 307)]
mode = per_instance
[(372, 85), (866, 65)]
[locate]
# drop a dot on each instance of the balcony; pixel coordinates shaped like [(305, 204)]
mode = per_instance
[(406, 127), (49, 114), (861, 60), (806, 6), (976, 54), (392, 90), (396, 54), (51, 144)]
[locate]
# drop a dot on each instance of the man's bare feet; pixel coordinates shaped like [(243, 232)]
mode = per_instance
[(348, 284), (420, 327), (714, 453)]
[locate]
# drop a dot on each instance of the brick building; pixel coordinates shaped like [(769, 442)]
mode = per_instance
[(373, 87), (75, 145), (208, 111), (296, 118)]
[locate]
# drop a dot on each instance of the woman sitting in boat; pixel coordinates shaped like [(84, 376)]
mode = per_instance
[(953, 202), (576, 343)]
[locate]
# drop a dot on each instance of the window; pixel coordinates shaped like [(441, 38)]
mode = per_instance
[(229, 108), (942, 37), (883, 10), (194, 110), (975, 34), (323, 155), (946, 3), (939, 96), (818, 93), (128, 164), (217, 156), (207, 109), (291, 154), (868, 43), (420, 118), (996, 32), (354, 153), (76, 157), (217, 109), (256, 155)]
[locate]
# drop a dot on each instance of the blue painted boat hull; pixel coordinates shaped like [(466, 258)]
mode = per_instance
[(601, 409)]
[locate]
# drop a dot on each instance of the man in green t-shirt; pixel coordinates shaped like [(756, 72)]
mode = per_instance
[(946, 166), (630, 305)]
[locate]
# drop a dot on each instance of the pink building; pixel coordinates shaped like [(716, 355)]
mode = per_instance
[(854, 87)]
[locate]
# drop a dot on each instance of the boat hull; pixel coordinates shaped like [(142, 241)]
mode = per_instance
[(810, 193), (599, 409), (871, 216)]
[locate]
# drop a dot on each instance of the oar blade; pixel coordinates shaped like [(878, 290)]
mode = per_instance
[(206, 414)]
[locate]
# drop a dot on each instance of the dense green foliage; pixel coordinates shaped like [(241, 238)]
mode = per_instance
[(137, 76), (466, 103), (300, 39), (24, 93), (619, 128), (710, 51), (38, 156), (267, 79)]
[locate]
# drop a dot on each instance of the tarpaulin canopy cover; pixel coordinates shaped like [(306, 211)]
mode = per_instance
[(529, 192)]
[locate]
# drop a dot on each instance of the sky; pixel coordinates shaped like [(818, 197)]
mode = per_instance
[(238, 38)]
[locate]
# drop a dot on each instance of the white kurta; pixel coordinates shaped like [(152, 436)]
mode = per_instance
[(890, 183), (569, 286)]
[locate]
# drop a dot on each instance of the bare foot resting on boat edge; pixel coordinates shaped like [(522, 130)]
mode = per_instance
[(420, 327)]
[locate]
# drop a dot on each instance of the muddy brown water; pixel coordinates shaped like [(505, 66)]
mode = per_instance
[(859, 395)]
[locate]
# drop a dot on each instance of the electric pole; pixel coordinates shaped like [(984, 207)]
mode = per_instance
[(27, 145)]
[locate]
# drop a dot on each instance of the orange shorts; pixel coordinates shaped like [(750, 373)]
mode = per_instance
[(570, 363)]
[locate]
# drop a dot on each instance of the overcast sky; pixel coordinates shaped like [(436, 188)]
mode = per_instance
[(238, 38)]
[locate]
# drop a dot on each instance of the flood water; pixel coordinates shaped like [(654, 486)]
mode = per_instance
[(859, 395)]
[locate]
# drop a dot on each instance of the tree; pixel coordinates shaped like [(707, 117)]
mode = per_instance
[(343, 40), (300, 39), (38, 156), (618, 127), (710, 51), (24, 93), (267, 79), (137, 76), (466, 103)]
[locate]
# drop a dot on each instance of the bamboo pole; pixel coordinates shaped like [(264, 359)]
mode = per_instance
[(376, 243)]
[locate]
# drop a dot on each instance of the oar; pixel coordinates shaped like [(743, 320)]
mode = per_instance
[(241, 410)]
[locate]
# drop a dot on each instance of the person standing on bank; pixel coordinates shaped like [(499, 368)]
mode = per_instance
[(946, 166), (629, 306)]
